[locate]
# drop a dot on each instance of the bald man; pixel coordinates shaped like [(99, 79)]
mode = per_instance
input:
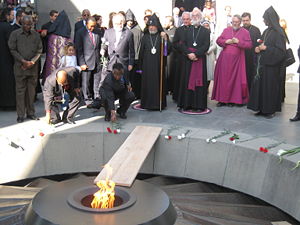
[(62, 87)]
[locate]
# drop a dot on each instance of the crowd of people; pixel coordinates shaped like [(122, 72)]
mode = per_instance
[(128, 61)]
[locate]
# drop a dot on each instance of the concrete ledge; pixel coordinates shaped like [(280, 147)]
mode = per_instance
[(238, 166)]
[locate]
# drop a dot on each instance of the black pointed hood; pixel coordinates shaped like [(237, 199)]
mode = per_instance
[(272, 19), (130, 16), (61, 26), (154, 21)]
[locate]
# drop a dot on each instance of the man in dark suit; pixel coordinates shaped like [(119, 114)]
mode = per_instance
[(82, 23), (88, 57), (297, 117), (114, 87), (45, 27), (62, 86), (120, 46), (118, 43)]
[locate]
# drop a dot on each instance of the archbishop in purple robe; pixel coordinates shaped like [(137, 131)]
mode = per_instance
[(230, 81)]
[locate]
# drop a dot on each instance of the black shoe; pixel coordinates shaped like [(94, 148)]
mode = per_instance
[(32, 117), (258, 114), (20, 119), (107, 117), (230, 104), (220, 104), (295, 118), (55, 121), (96, 104), (69, 121), (122, 115), (269, 115)]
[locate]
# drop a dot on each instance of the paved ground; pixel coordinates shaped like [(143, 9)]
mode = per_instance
[(237, 119)]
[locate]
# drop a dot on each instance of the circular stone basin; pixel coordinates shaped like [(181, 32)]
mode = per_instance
[(82, 198)]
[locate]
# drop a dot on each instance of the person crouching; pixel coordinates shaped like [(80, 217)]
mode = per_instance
[(62, 87), (114, 87)]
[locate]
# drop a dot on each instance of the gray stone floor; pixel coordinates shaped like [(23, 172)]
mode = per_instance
[(236, 119)]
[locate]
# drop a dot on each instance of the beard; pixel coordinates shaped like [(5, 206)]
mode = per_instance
[(196, 23), (152, 31), (235, 28)]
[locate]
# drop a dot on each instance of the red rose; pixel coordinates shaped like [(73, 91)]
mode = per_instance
[(115, 131), (261, 149), (259, 41), (41, 134), (108, 129), (231, 138), (266, 150)]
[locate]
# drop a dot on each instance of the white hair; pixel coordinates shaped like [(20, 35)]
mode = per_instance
[(118, 18)]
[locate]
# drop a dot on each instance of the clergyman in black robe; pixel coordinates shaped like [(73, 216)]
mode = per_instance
[(193, 83), (250, 55), (179, 57), (265, 95), (7, 79), (133, 26), (153, 97), (170, 29)]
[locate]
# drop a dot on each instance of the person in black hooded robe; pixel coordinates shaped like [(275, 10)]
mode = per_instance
[(265, 95), (59, 35), (133, 26), (153, 97), (7, 79)]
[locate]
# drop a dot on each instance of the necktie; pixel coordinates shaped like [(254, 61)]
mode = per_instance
[(92, 38)]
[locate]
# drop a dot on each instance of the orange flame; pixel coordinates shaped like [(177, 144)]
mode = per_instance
[(105, 197)]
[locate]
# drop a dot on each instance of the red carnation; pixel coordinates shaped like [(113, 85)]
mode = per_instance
[(262, 149), (41, 134), (115, 131), (231, 139), (259, 41), (108, 129), (266, 150)]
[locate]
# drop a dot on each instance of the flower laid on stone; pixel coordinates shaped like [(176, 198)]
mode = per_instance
[(234, 137), (214, 138), (289, 152), (267, 148), (41, 134), (168, 135), (297, 165), (183, 135), (262, 149), (115, 128)]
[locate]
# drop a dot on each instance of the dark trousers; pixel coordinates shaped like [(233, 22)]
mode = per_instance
[(298, 106), (70, 111), (125, 99), (25, 93), (136, 81), (86, 77)]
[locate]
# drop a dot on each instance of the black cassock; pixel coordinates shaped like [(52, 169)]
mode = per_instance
[(189, 99), (250, 55), (149, 63), (178, 59), (170, 70), (265, 95), (7, 79)]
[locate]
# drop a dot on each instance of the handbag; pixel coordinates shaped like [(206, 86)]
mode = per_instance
[(289, 57)]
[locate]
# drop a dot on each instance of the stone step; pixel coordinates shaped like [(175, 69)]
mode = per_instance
[(166, 181), (234, 198), (6, 204), (195, 187), (40, 183), (182, 221), (14, 192), (267, 213), (207, 220), (13, 216)]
